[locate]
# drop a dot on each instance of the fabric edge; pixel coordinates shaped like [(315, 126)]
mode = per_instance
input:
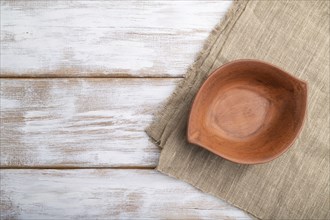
[(208, 193), (232, 12)]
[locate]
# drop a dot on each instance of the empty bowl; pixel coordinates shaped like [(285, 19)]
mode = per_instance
[(248, 112)]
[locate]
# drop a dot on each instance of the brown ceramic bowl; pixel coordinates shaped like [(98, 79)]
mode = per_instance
[(248, 111)]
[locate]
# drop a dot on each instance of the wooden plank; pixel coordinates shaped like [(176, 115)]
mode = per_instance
[(79, 122), (105, 194), (104, 38)]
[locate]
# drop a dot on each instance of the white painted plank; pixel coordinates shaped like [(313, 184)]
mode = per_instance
[(105, 194), (104, 38), (79, 122)]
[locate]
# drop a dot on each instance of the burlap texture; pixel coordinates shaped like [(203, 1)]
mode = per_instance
[(293, 35)]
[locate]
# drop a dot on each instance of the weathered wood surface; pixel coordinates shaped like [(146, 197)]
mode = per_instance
[(105, 194), (95, 122), (79, 122), (104, 38)]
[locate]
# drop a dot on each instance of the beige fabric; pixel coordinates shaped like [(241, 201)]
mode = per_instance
[(293, 35)]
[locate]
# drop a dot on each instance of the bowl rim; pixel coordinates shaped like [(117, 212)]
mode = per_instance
[(281, 71)]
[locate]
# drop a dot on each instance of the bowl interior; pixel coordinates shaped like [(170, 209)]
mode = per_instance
[(248, 112)]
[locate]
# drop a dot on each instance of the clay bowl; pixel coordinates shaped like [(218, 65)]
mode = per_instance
[(248, 112)]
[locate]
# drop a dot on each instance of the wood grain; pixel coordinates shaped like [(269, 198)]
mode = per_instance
[(104, 38), (105, 194), (95, 123), (248, 112), (79, 122)]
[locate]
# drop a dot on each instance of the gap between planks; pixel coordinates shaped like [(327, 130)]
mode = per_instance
[(91, 77), (102, 38), (76, 168)]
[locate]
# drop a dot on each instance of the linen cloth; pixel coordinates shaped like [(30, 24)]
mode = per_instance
[(293, 35)]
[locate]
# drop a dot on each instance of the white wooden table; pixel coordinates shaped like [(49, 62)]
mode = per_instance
[(80, 81)]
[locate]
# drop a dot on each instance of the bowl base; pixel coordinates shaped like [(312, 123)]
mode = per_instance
[(239, 113)]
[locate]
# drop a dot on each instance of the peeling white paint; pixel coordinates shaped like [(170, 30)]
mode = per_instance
[(8, 103), (80, 122), (96, 122), (107, 194), (125, 37)]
